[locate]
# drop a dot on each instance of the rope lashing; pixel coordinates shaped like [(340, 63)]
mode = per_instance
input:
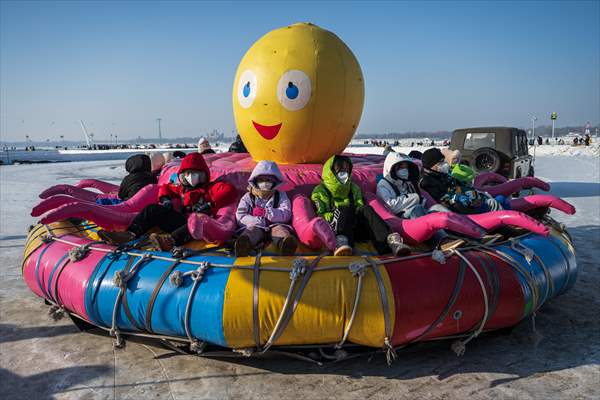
[(176, 278), (255, 290), (46, 238), (197, 275), (460, 346), (120, 280), (390, 352), (299, 268), (179, 252), (357, 269)]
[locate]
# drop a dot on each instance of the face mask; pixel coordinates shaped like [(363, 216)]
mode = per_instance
[(402, 173), (443, 167), (265, 185), (342, 176), (194, 178)]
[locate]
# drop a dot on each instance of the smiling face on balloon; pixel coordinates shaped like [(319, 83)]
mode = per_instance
[(298, 95)]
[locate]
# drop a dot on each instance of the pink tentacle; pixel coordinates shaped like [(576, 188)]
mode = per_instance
[(493, 220), (74, 191), (102, 186), (56, 201), (516, 185), (420, 229), (488, 178), (312, 231), (103, 217), (213, 230), (542, 201), (144, 197)]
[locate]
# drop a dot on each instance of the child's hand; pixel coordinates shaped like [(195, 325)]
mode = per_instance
[(258, 212)]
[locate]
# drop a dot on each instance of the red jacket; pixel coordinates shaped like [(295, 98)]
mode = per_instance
[(220, 194)]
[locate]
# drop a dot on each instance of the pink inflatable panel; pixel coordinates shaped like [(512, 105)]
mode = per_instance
[(213, 230), (101, 215), (102, 186), (72, 281), (312, 231)]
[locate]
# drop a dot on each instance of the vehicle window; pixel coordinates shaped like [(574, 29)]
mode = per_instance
[(474, 141)]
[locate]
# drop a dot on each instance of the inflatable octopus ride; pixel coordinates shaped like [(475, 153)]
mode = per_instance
[(200, 296)]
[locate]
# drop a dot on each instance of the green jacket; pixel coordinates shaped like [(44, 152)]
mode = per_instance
[(332, 193), (463, 173)]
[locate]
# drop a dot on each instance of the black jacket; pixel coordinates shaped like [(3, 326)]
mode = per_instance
[(436, 184), (139, 176), (238, 146)]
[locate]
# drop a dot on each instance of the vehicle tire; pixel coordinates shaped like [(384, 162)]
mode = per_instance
[(485, 160), (531, 171)]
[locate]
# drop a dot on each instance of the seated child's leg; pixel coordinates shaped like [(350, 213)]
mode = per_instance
[(182, 235), (156, 215), (438, 208), (493, 205), (345, 223), (255, 235), (372, 227), (284, 240), (415, 212)]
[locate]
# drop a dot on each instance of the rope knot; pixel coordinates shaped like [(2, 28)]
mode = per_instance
[(179, 252), (459, 347), (438, 256), (56, 312), (78, 253), (358, 268), (299, 266), (46, 238), (390, 353), (120, 279), (176, 278), (197, 346), (198, 274)]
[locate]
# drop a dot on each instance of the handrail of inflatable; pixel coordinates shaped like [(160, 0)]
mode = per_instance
[(312, 231), (103, 216), (213, 230), (102, 186), (488, 178), (515, 185), (74, 191), (146, 196), (542, 201), (420, 229)]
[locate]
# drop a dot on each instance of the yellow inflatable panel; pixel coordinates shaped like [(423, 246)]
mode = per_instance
[(34, 237), (322, 314)]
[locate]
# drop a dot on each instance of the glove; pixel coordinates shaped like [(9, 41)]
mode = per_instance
[(166, 202), (258, 212), (203, 207)]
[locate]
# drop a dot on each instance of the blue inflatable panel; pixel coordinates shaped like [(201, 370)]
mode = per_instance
[(560, 267), (168, 314)]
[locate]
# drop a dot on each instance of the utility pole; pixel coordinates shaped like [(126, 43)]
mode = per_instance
[(159, 131), (533, 119), (553, 117)]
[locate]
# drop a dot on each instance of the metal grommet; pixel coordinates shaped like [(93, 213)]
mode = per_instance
[(457, 315)]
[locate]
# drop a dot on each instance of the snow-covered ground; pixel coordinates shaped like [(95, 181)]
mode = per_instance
[(42, 359)]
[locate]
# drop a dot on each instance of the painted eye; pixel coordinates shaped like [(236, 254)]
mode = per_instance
[(294, 89), (247, 88)]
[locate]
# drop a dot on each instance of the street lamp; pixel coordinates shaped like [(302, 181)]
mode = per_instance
[(533, 119)]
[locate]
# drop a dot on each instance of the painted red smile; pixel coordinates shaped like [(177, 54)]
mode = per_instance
[(268, 132)]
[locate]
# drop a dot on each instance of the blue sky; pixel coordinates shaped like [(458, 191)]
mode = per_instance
[(427, 66)]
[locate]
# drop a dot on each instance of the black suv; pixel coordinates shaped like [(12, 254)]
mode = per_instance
[(494, 149)]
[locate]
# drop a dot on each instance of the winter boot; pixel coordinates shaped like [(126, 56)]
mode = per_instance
[(397, 245), (242, 246), (162, 241), (116, 238), (341, 246), (287, 246)]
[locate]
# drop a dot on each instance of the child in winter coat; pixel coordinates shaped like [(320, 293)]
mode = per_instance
[(450, 192), (340, 202), (461, 172), (193, 193), (399, 190), (139, 176), (265, 213)]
